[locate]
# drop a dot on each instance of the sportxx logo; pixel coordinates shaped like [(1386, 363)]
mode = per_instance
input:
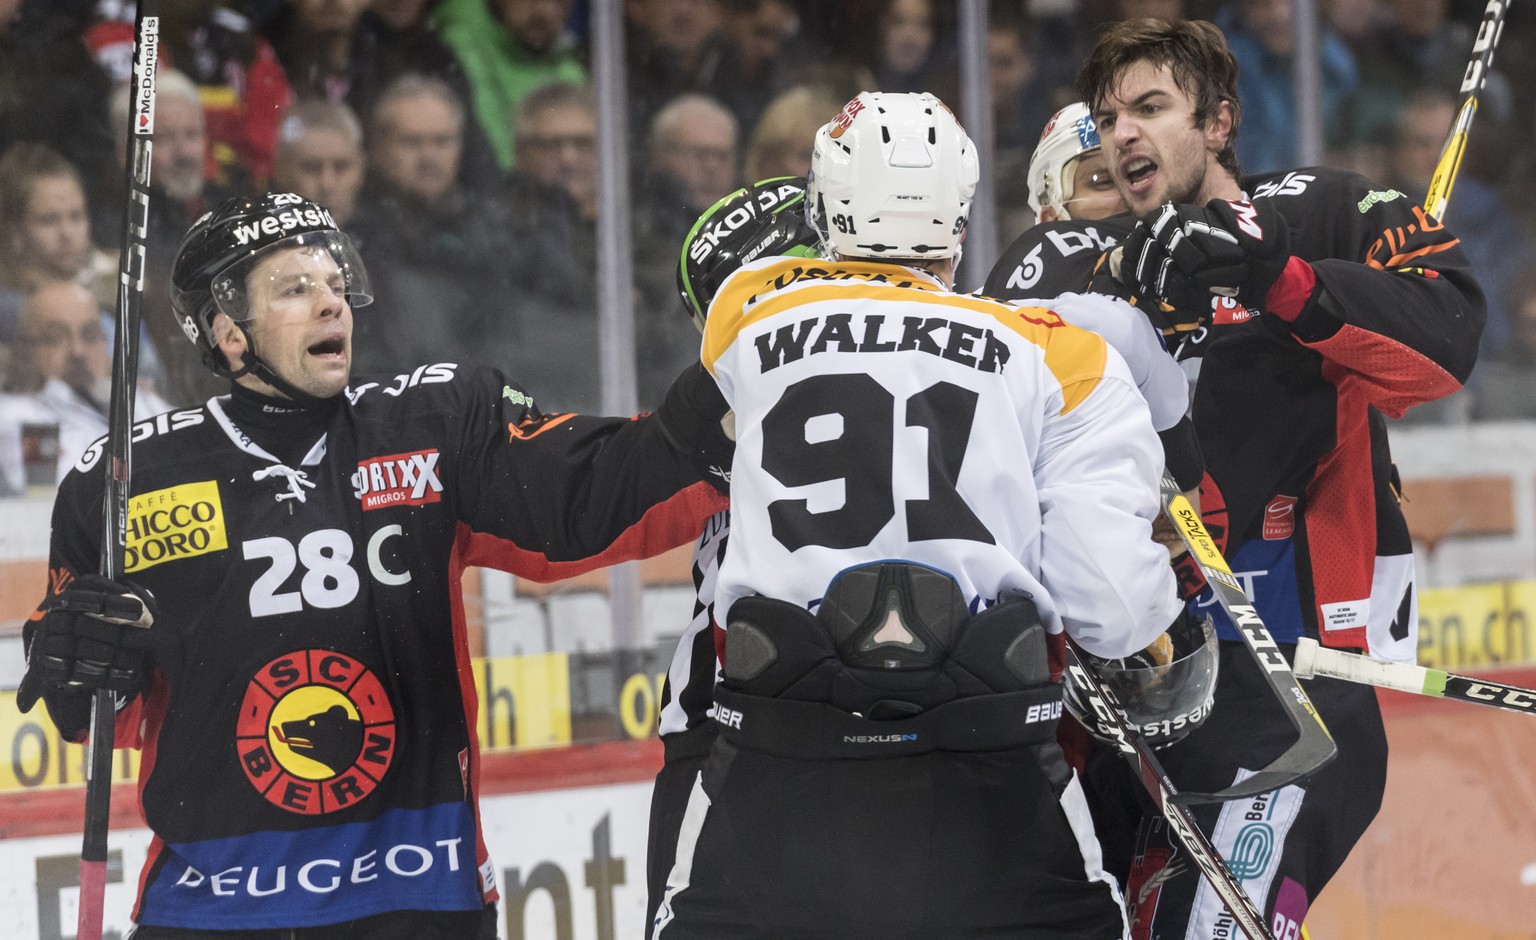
[(179, 522), (398, 480), (316, 732)]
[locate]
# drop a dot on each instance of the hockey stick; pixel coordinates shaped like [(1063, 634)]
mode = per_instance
[(1313, 659), (1149, 770), (114, 535), (1488, 32), (1314, 746)]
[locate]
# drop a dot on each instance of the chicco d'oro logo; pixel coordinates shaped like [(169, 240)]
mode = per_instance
[(316, 732)]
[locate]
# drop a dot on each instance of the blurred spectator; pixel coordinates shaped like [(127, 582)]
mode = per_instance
[(1169, 11), (1505, 380), (758, 61), (676, 47), (341, 51), (64, 362), (1414, 45), (446, 263), (509, 48), (51, 89), (692, 164), (1490, 233), (178, 194), (557, 151), (1024, 96), (320, 156), (553, 192), (45, 231), (241, 83), (1262, 37), (781, 142), (907, 45), (315, 40), (692, 157)]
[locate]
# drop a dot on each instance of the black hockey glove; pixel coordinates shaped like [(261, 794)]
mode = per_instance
[(1182, 255), (93, 635), (1165, 318), (698, 422)]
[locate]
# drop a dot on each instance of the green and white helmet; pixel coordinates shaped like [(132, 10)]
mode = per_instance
[(758, 221)]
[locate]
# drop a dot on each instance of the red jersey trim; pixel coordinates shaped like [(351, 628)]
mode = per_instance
[(1387, 373), (666, 525)]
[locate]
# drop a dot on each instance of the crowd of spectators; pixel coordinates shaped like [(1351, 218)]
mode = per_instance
[(457, 141)]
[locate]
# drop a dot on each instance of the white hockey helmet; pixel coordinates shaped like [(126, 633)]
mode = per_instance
[(1069, 134), (892, 177)]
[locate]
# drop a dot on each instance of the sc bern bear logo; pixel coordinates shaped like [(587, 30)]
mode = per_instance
[(316, 732)]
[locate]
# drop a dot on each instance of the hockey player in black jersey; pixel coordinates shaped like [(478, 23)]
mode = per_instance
[(288, 645), (1310, 305), (766, 219)]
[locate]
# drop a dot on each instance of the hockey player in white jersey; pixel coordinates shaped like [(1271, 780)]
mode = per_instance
[(930, 492), (1068, 174)]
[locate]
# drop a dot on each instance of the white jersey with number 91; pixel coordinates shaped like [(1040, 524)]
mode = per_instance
[(880, 416)]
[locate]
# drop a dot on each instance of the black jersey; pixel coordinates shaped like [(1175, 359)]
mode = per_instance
[(1290, 417), (309, 739)]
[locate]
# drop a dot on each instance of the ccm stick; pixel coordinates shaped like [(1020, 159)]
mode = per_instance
[(1313, 659), (1314, 746), (1138, 753), (125, 364), (1488, 32)]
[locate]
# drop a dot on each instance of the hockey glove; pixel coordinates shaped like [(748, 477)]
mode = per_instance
[(698, 422), (1184, 254), (93, 635), (1165, 318)]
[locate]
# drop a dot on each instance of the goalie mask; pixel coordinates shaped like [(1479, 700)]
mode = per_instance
[(221, 249), (759, 221), (1164, 702), (892, 178)]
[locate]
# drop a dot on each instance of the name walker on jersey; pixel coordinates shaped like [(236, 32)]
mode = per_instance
[(971, 346)]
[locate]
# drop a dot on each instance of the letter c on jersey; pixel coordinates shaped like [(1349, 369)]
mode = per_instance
[(376, 565)]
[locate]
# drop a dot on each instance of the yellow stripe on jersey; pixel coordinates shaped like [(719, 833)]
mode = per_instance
[(1074, 356)]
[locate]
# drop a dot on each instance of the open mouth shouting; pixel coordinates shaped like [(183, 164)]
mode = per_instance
[(1139, 173)]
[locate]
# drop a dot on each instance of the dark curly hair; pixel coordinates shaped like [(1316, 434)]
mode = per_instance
[(1197, 57)]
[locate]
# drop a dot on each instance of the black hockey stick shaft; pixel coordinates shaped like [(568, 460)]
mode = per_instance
[(1472, 81), (1314, 746), (125, 367), (1313, 659), (1149, 770)]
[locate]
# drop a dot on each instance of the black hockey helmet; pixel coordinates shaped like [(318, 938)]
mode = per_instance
[(1164, 698), (223, 245), (758, 221)]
